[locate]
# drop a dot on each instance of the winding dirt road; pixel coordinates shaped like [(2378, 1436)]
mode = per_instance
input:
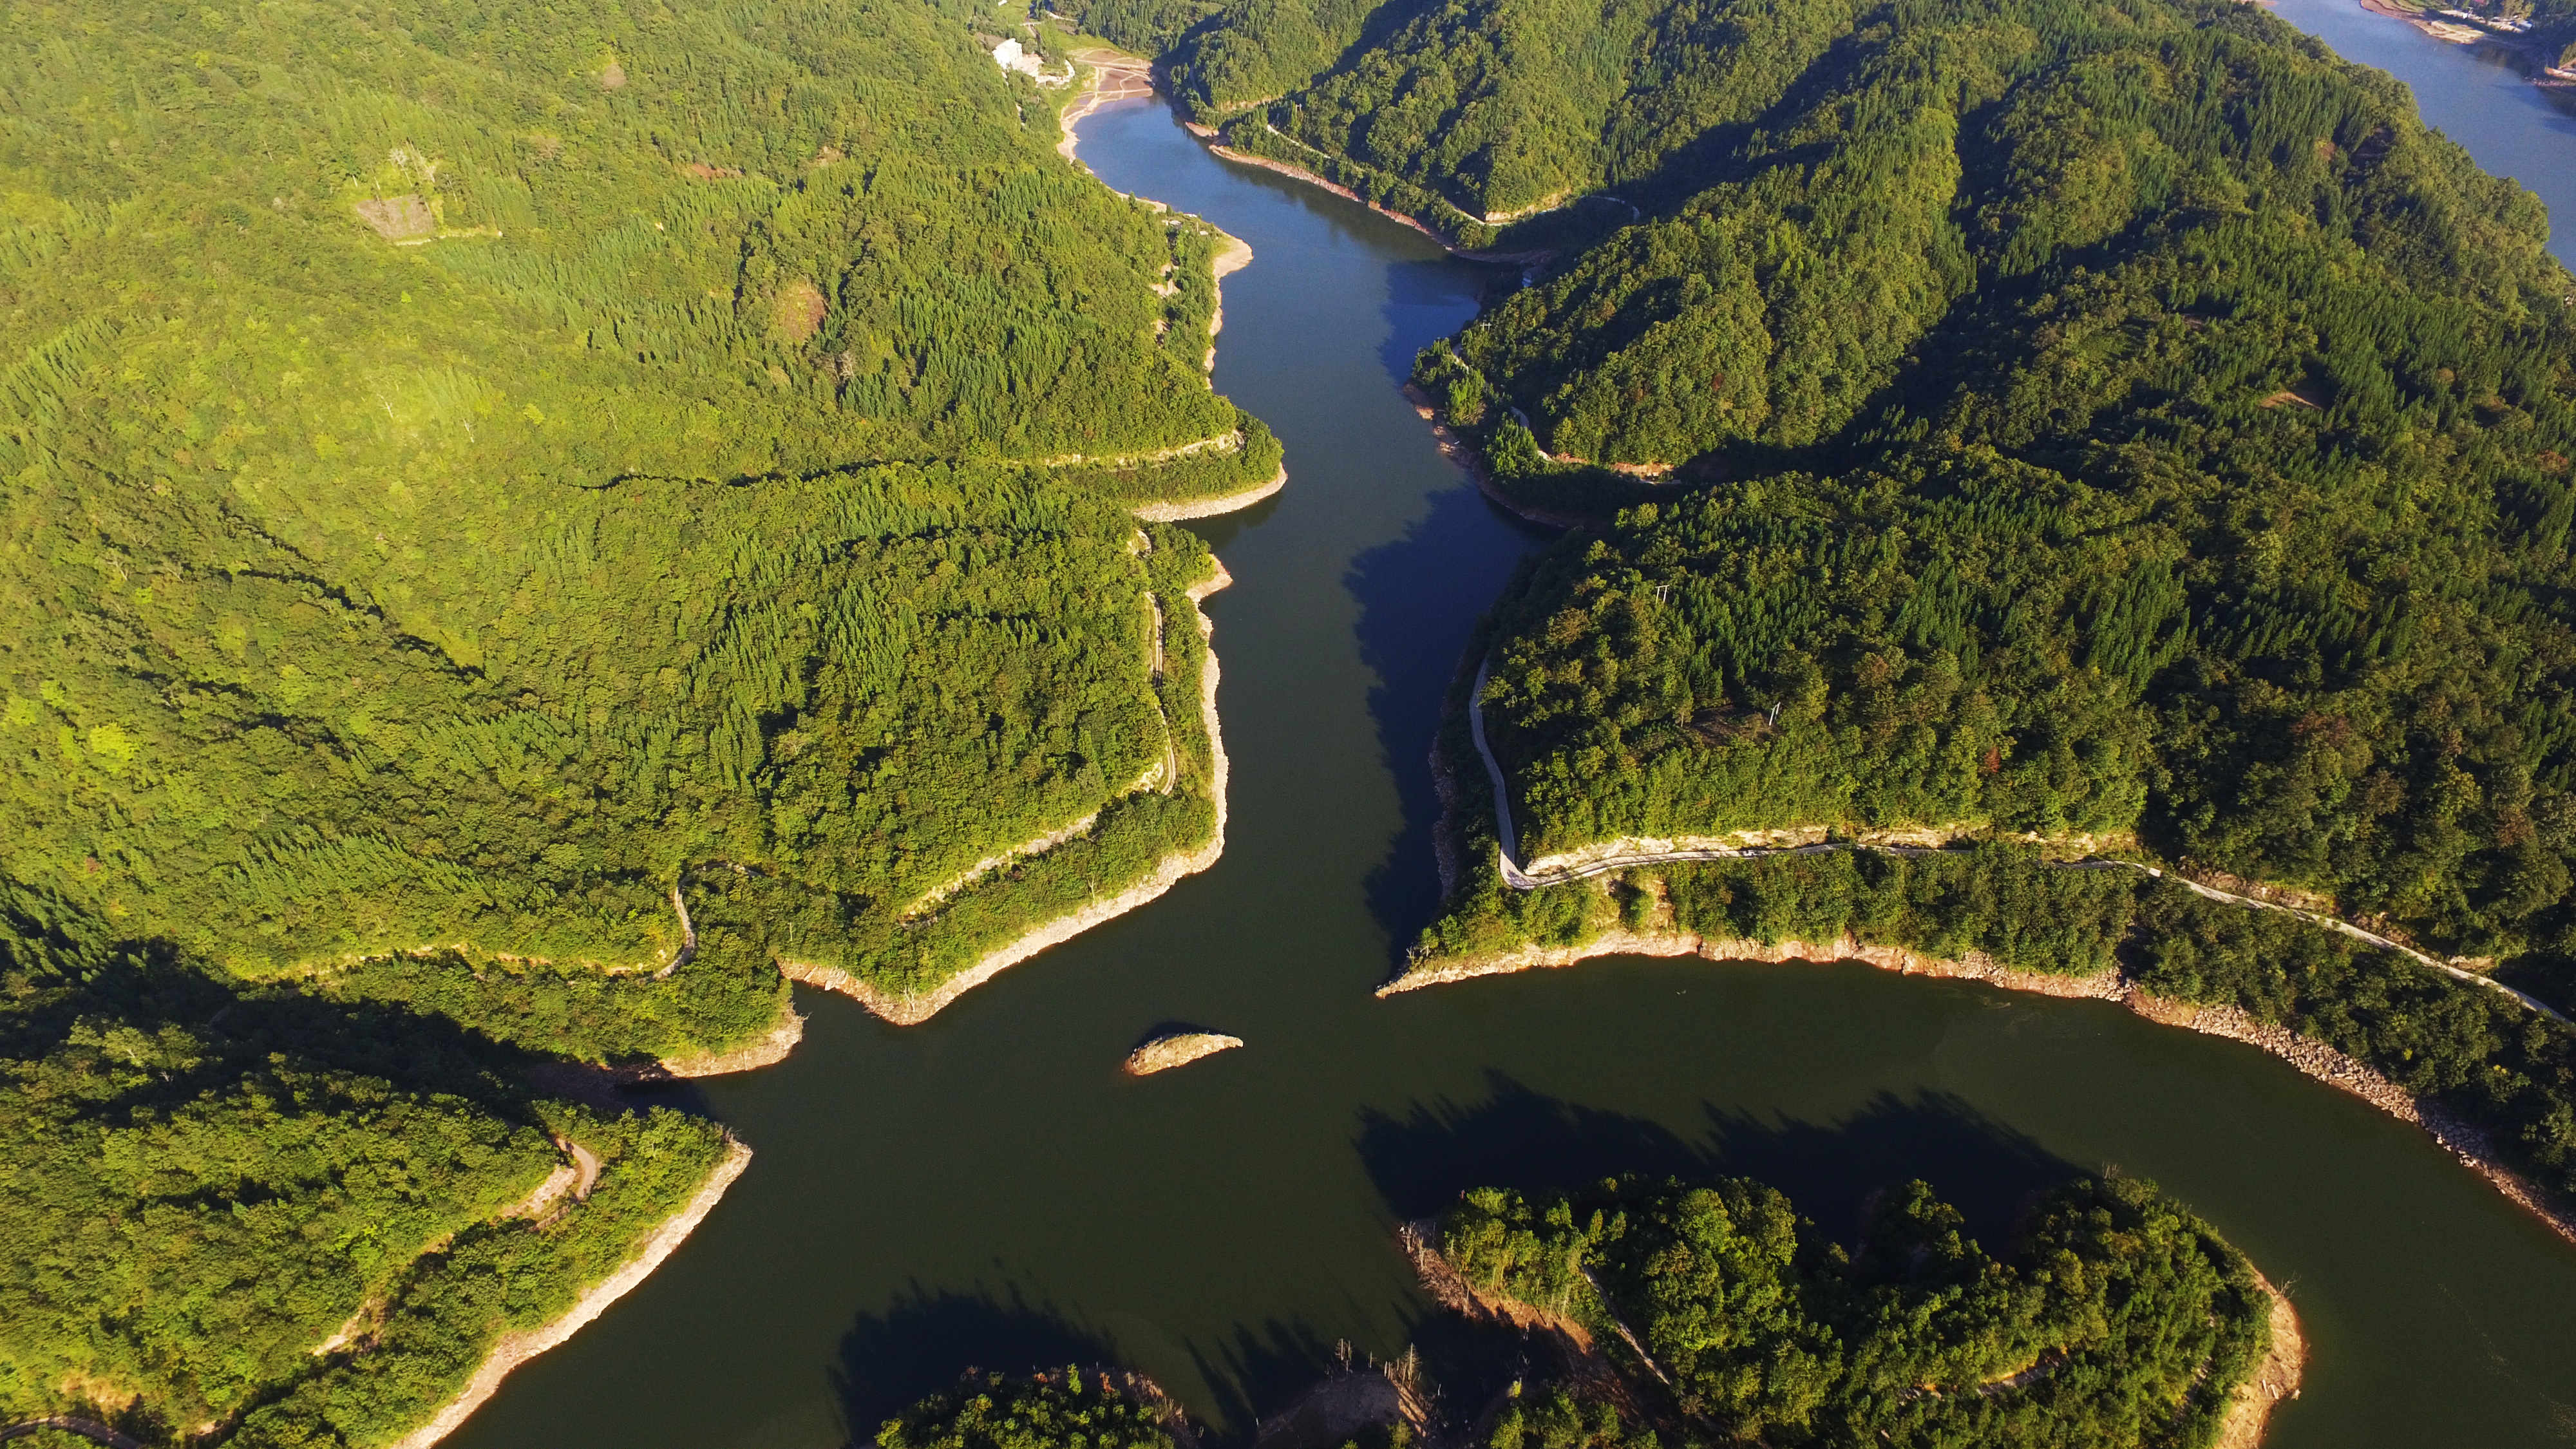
[(1521, 880)]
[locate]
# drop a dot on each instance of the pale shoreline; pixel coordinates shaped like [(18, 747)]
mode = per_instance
[(1207, 137), (1116, 77), (907, 1010), (1180, 510), (1113, 77), (1119, 77), (1463, 453), (2313, 1058), (2275, 1378), (515, 1349), (765, 1051)]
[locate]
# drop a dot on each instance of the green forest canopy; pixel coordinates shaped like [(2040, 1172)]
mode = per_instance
[(2121, 427), (468, 467), (469, 472), (2126, 422), (2116, 1319), (220, 1204)]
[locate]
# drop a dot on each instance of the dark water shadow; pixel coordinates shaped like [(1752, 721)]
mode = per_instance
[(1219, 530), (1415, 620), (1515, 1138), (1257, 1370), (1526, 1140), (1987, 1170), (1173, 1026), (1423, 302), (927, 1341)]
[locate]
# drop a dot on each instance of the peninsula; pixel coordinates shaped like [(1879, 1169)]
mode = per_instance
[(1711, 1313)]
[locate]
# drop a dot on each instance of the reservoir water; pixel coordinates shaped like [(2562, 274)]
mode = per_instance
[(986, 1189)]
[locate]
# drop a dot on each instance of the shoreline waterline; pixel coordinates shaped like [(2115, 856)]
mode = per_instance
[(2274, 1379), (1183, 510), (515, 1349), (2311, 1057)]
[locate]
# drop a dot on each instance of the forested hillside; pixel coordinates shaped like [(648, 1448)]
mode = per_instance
[(1222, 55), (1699, 1314), (455, 482), (260, 1219), (2043, 430), (2116, 1318), (480, 482), (2109, 423), (2192, 470)]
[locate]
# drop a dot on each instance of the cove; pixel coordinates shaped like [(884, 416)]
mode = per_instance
[(988, 1188)]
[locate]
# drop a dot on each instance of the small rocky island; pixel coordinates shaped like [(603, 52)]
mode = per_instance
[(1177, 1049)]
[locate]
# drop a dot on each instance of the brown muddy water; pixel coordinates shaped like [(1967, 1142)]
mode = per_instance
[(988, 1188)]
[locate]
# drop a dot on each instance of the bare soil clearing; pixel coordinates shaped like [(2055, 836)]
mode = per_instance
[(1111, 76)]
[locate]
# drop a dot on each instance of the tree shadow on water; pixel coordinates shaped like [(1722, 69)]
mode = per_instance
[(1256, 1370), (1515, 1138), (1986, 1169), (1260, 1372), (1427, 300), (927, 1340), (1526, 1140), (1420, 597)]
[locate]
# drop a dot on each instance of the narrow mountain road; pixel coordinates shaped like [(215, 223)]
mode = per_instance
[(1522, 880)]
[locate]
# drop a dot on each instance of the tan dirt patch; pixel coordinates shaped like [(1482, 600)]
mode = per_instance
[(398, 218), (2274, 1379), (798, 312)]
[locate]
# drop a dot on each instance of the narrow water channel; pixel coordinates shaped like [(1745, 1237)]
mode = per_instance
[(986, 1189)]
